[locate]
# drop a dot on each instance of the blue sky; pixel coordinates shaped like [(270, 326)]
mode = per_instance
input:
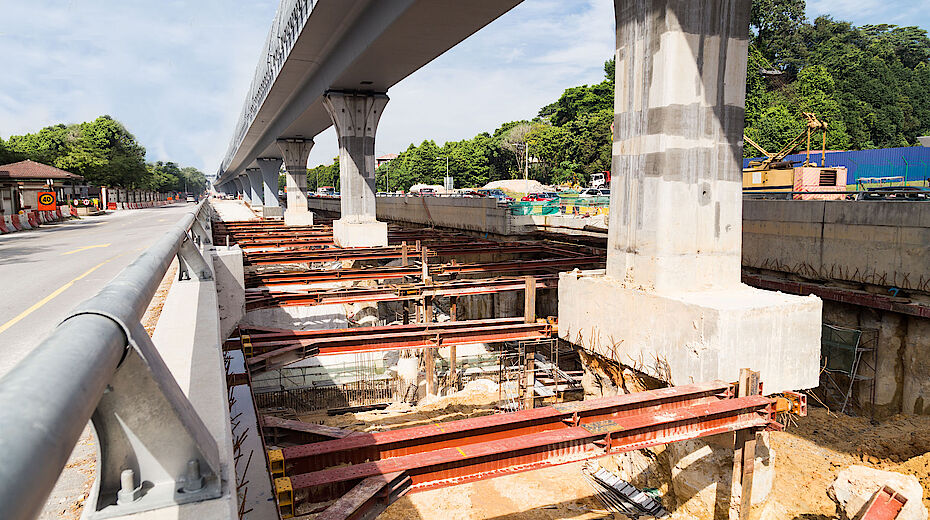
[(176, 72)]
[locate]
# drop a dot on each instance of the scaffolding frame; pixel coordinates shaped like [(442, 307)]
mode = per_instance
[(845, 354)]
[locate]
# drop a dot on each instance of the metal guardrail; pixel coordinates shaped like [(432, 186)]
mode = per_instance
[(100, 364)]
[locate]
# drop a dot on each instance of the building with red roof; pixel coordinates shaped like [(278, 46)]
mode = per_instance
[(21, 182)]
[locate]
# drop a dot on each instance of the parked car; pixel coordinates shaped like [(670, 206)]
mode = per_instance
[(325, 191), (497, 194), (541, 197), (472, 194), (427, 192), (595, 192), (191, 198)]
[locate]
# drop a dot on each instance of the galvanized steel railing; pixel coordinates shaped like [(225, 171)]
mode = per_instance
[(74, 374)]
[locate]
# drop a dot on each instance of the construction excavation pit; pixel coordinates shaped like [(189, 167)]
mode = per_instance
[(427, 379)]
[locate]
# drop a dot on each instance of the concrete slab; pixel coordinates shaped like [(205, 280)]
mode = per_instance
[(298, 218), (360, 234), (689, 337), (303, 317), (230, 287)]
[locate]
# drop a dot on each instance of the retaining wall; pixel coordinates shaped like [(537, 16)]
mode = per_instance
[(481, 215), (882, 243)]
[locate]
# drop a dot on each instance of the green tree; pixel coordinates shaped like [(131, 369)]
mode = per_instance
[(778, 32)]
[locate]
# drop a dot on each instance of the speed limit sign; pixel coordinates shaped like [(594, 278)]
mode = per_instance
[(47, 201)]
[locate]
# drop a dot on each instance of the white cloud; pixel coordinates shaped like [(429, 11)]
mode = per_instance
[(175, 73)]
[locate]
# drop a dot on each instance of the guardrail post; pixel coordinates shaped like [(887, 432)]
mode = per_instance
[(190, 260), (154, 450), (200, 231)]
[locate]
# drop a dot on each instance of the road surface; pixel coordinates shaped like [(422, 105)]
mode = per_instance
[(45, 273)]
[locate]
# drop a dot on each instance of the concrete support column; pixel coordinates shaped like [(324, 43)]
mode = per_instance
[(271, 169), (246, 188), (671, 302), (356, 116), (296, 152), (676, 190), (237, 185), (255, 187)]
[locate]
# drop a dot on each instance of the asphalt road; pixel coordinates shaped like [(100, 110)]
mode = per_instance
[(45, 273)]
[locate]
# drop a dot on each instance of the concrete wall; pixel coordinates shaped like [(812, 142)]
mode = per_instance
[(482, 215), (875, 242), (881, 244), (902, 360)]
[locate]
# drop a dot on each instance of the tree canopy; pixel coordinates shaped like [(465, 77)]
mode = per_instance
[(871, 84), (104, 152)]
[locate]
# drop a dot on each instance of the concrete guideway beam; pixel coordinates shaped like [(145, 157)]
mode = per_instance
[(296, 152), (257, 193), (356, 117), (271, 169), (670, 302)]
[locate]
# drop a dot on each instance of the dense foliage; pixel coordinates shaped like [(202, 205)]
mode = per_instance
[(104, 153), (870, 83)]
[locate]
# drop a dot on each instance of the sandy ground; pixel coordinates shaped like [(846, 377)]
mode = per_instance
[(811, 454), (67, 498), (808, 458)]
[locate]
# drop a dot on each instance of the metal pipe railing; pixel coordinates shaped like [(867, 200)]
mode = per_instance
[(48, 398)]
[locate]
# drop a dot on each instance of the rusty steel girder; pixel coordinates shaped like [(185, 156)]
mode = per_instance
[(271, 350), (363, 447), (839, 294), (257, 299), (452, 465), (253, 280)]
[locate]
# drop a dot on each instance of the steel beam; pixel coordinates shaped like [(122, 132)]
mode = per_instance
[(382, 445), (460, 464), (839, 294), (272, 353), (264, 298), (391, 273)]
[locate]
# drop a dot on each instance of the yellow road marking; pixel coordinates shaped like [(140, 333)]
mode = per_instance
[(51, 296), (462, 452), (85, 248)]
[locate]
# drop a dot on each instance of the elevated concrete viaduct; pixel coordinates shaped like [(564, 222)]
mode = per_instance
[(355, 50)]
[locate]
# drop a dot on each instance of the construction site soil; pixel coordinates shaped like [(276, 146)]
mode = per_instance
[(808, 457)]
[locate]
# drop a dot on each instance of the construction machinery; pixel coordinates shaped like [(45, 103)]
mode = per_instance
[(776, 175)]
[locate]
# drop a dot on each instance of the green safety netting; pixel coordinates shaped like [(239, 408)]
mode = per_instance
[(534, 208)]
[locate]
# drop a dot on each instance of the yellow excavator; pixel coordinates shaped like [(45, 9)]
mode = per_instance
[(774, 174)]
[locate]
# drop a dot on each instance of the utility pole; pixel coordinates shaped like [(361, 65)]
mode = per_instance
[(526, 167)]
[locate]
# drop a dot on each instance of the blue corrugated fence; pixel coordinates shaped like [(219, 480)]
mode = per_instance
[(912, 163)]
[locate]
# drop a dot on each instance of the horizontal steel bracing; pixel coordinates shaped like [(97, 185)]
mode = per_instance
[(516, 451), (382, 445), (257, 299), (268, 279), (268, 350)]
